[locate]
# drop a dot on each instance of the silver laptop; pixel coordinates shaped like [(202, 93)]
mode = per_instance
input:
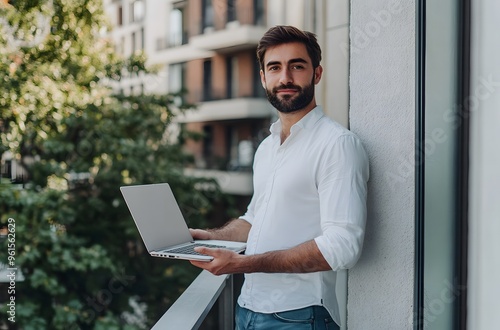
[(162, 226)]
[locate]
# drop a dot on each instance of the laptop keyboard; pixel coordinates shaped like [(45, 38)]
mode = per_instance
[(189, 249)]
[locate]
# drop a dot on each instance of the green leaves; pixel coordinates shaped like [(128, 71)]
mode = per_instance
[(76, 243), (40, 280)]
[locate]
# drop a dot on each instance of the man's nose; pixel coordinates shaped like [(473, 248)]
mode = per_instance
[(286, 77)]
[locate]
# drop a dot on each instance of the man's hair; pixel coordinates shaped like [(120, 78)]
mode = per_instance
[(284, 34)]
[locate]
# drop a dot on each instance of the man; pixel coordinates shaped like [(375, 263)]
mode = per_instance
[(307, 215)]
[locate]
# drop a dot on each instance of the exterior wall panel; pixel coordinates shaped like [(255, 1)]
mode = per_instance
[(245, 11), (194, 17), (246, 74), (382, 112), (194, 81), (219, 77)]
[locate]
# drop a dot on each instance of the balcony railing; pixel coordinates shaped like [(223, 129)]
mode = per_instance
[(174, 40), (225, 109), (233, 38), (192, 307), (230, 182)]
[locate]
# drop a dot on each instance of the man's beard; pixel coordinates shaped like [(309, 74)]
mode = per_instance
[(291, 103)]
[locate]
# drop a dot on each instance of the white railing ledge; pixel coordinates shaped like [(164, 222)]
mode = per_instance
[(189, 311)]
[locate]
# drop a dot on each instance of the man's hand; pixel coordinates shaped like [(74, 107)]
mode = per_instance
[(303, 258), (234, 230), (225, 261), (200, 234)]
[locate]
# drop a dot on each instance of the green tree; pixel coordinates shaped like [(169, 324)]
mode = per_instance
[(76, 245)]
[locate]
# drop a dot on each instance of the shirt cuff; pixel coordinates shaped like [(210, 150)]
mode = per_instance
[(247, 218), (339, 252)]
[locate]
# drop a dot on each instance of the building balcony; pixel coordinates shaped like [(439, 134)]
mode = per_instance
[(173, 40), (236, 108), (166, 53), (234, 37), (230, 182)]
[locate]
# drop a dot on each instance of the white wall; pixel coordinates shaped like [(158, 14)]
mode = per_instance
[(382, 112), (484, 194)]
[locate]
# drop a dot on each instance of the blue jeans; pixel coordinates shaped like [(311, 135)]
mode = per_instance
[(310, 318)]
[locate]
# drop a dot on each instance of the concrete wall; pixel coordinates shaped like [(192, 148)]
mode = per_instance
[(382, 112), (484, 227)]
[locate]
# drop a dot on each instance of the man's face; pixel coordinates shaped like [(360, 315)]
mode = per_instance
[(289, 77)]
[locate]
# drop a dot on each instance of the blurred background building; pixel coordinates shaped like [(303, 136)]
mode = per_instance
[(206, 49)]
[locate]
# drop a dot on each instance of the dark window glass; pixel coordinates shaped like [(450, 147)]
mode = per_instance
[(207, 80)]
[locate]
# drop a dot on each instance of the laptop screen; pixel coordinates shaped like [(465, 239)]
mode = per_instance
[(157, 215)]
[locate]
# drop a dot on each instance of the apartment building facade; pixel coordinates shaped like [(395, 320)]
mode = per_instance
[(205, 50)]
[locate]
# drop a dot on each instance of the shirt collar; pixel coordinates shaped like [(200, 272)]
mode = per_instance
[(306, 122)]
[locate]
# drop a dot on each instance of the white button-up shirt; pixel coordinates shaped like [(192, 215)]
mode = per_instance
[(313, 186)]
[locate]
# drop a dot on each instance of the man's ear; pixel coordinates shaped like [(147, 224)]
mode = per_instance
[(318, 73), (262, 79)]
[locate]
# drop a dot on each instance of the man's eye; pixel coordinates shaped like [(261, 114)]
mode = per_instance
[(273, 68), (297, 67)]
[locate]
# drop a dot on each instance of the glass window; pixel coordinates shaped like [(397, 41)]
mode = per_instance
[(231, 11), (438, 168), (143, 39), (136, 11), (207, 15), (207, 80), (232, 77), (175, 33), (120, 16), (134, 42), (178, 24), (208, 146), (176, 77), (258, 9), (258, 90)]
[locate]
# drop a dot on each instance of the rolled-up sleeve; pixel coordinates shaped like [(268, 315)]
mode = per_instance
[(342, 187), (249, 214)]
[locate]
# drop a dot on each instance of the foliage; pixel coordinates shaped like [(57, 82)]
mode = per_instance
[(76, 244)]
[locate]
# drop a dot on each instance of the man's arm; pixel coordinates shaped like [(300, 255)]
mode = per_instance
[(235, 230), (303, 258)]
